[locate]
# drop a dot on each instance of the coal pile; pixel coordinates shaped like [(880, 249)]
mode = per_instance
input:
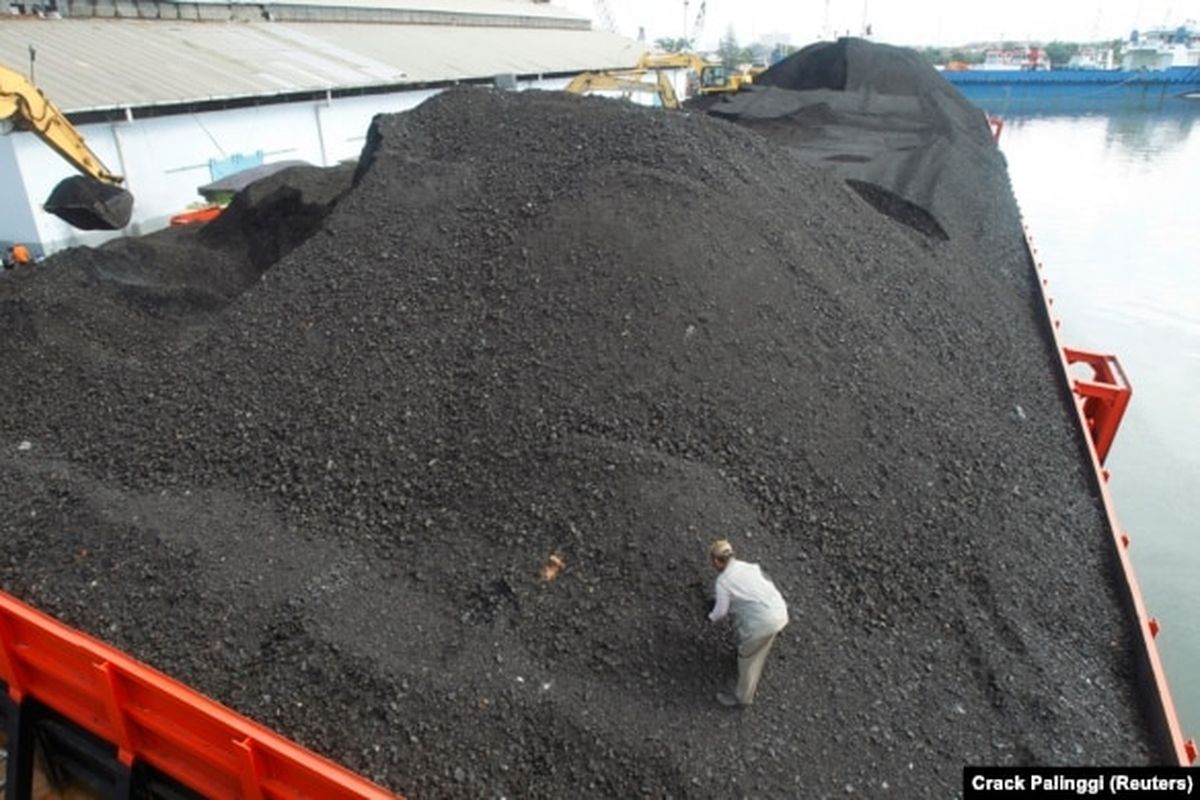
[(883, 118), (136, 296), (544, 324)]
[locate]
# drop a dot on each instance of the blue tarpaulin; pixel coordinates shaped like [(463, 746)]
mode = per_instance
[(220, 167)]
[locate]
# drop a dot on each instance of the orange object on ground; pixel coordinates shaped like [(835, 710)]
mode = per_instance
[(206, 214), (19, 255), (154, 720), (552, 566)]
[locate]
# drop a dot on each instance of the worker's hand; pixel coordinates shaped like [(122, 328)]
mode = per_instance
[(709, 604)]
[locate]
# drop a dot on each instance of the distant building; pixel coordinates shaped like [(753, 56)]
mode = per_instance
[(1024, 57), (1162, 48), (1092, 58), (174, 95)]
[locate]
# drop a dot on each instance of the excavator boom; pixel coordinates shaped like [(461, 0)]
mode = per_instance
[(709, 78), (712, 78), (625, 82), (92, 201)]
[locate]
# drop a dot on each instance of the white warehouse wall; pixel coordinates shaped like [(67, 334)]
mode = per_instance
[(165, 159), (345, 120), (41, 169), (16, 208)]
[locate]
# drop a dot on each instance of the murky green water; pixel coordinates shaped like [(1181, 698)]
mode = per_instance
[(1113, 203)]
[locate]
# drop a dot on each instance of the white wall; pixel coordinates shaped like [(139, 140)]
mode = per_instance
[(16, 214), (345, 120), (41, 169), (165, 159)]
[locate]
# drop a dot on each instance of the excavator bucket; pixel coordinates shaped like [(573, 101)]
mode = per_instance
[(91, 205)]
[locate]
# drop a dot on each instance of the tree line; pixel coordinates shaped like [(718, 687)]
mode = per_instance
[(1059, 53), (733, 54), (730, 52)]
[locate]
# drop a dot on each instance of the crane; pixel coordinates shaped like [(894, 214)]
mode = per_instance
[(697, 25), (604, 16)]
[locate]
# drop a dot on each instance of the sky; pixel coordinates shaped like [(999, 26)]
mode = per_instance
[(903, 22)]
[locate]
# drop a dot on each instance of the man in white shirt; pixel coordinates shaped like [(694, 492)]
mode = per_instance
[(759, 614)]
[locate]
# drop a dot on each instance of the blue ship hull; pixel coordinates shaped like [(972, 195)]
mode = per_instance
[(1005, 91)]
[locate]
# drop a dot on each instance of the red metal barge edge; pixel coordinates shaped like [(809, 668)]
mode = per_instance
[(1100, 403), (141, 719)]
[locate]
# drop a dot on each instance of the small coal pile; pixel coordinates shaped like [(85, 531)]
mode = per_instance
[(882, 115), (547, 327), (85, 314)]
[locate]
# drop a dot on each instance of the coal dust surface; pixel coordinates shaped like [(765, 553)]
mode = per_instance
[(312, 457)]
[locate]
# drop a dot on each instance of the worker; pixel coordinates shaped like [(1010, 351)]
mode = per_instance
[(759, 614), (17, 256)]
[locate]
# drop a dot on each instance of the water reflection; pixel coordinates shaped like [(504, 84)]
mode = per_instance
[(1110, 200), (1150, 135)]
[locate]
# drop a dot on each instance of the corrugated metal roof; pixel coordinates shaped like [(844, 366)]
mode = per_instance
[(91, 64), (517, 8)]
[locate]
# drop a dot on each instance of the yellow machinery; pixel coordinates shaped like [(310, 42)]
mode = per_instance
[(91, 201), (711, 78), (752, 71), (629, 83), (708, 78)]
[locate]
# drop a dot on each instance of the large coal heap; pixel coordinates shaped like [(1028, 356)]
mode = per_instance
[(883, 118), (856, 65), (541, 323)]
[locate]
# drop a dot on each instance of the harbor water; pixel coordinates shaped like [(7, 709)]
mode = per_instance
[(1111, 202)]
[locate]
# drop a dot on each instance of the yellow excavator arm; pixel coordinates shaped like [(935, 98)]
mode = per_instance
[(711, 78), (24, 102), (671, 61), (94, 202), (625, 82)]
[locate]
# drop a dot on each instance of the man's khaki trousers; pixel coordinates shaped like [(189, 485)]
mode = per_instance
[(752, 655)]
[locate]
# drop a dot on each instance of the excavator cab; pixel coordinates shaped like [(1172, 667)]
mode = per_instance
[(91, 201), (714, 77), (704, 77)]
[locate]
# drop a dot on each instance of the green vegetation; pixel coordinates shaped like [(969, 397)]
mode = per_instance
[(1060, 53), (733, 55), (944, 55), (730, 52), (781, 51)]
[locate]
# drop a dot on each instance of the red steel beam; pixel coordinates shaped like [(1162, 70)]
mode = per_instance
[(152, 718), (1104, 398), (1112, 390)]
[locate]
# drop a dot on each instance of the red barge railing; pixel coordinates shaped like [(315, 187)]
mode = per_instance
[(1100, 402), (57, 679)]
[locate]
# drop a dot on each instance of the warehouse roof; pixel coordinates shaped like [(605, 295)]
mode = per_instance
[(524, 8), (97, 64), (510, 13)]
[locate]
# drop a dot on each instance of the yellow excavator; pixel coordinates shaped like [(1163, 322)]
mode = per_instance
[(587, 82), (709, 78), (94, 200)]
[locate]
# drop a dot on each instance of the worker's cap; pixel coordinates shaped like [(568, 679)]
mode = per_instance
[(721, 548)]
